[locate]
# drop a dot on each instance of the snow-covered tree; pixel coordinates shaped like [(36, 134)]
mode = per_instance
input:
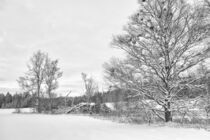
[(162, 41)]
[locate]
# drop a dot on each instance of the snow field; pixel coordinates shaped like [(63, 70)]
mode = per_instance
[(73, 127)]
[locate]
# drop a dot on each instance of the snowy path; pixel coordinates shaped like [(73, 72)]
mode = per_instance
[(68, 127)]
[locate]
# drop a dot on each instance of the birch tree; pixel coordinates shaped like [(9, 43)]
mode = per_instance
[(163, 40), (52, 73)]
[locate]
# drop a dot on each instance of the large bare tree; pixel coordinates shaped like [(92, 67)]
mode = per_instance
[(34, 77), (163, 40)]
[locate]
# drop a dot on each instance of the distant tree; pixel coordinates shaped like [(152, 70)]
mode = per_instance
[(17, 100), (8, 98), (97, 98), (34, 78), (2, 100), (162, 42), (52, 74), (90, 86), (66, 99)]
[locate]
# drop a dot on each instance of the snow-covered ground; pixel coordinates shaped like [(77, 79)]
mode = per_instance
[(72, 127), (10, 111)]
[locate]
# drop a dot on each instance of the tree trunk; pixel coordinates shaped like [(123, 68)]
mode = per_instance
[(89, 109), (50, 99), (50, 104), (38, 105), (168, 115), (38, 99)]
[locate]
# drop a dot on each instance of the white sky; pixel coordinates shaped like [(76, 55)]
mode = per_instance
[(77, 32)]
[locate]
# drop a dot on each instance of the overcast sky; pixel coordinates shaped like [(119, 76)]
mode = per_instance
[(77, 32)]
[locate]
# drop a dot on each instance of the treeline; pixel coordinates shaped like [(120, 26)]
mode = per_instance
[(17, 100), (24, 100), (116, 95)]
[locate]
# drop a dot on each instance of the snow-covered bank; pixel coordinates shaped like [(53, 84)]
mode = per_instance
[(12, 110), (66, 127)]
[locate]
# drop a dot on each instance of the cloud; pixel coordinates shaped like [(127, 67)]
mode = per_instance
[(78, 33)]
